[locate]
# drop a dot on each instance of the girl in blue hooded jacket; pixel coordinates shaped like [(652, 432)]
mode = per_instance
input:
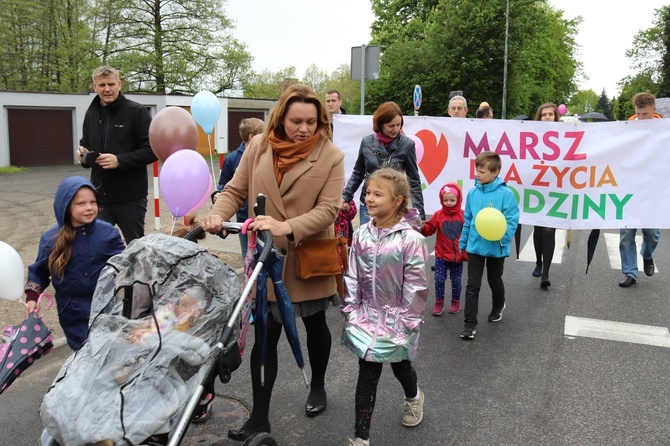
[(71, 256)]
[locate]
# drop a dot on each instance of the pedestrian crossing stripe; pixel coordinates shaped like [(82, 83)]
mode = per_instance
[(612, 242), (617, 331), (527, 253)]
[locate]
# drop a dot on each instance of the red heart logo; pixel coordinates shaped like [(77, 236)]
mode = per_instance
[(435, 154)]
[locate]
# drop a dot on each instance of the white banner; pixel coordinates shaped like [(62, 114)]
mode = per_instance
[(565, 175)]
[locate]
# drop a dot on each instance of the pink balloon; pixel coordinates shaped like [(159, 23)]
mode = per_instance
[(172, 129), (205, 198), (184, 179), (418, 145), (562, 109)]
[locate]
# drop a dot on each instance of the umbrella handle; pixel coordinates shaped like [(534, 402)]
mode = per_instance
[(50, 299)]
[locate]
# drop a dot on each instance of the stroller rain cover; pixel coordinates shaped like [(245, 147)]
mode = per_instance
[(134, 375)]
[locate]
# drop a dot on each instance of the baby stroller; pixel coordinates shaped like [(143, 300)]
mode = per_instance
[(157, 337)]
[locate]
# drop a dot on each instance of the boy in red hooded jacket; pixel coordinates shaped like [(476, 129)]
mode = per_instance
[(448, 223)]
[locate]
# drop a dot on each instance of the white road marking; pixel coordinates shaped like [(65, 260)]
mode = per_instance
[(612, 242), (527, 253), (617, 331)]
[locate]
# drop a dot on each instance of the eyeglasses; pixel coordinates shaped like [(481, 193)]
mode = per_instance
[(456, 108)]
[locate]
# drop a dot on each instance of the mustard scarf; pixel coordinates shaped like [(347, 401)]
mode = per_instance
[(287, 154)]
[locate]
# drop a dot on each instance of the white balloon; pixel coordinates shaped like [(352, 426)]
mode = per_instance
[(12, 274)]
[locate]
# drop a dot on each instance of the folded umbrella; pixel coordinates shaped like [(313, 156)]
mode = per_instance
[(591, 247), (273, 268), (22, 345), (249, 266), (517, 239)]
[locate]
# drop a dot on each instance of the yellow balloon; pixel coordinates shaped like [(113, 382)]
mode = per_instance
[(491, 224)]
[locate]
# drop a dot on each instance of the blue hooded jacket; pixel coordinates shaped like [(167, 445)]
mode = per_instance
[(499, 196), (93, 245), (229, 167)]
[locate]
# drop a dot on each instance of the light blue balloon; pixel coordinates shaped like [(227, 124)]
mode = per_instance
[(206, 110)]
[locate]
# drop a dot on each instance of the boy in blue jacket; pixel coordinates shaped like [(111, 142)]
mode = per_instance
[(489, 191)]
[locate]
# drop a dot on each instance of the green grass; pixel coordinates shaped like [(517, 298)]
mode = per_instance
[(12, 169)]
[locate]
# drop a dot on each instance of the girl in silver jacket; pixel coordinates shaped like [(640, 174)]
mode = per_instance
[(385, 296)]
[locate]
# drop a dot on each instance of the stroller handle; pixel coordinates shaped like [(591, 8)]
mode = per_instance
[(229, 227)]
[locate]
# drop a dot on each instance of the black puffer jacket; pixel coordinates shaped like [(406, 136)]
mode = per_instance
[(372, 155), (121, 128)]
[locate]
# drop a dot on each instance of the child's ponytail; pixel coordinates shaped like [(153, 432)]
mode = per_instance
[(62, 250)]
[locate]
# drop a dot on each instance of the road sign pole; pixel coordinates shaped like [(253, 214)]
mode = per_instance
[(363, 79)]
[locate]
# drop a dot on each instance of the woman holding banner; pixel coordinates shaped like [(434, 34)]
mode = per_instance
[(386, 147), (544, 239)]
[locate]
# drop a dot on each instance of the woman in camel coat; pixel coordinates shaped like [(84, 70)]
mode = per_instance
[(296, 166)]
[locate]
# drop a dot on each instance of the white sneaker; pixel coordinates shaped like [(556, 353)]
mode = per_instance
[(358, 442), (413, 410)]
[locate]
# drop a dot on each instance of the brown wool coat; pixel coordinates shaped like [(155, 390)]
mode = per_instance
[(309, 198)]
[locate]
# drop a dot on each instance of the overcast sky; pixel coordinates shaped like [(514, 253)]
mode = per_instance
[(281, 33)]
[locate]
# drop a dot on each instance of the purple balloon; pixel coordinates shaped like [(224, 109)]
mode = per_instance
[(205, 198), (184, 179), (418, 146)]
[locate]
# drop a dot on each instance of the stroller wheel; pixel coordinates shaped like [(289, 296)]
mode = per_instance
[(260, 439)]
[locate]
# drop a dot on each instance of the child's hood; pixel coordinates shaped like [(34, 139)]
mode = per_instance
[(493, 185), (411, 220), (452, 188), (64, 194)]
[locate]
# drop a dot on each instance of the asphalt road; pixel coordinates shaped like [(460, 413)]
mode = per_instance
[(522, 381)]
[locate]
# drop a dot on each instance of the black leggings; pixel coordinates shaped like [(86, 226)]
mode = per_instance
[(366, 390), (544, 241), (318, 348)]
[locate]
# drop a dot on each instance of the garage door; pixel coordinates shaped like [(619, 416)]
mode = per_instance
[(234, 119), (40, 137)]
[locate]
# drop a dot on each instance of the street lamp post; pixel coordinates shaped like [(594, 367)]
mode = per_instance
[(504, 92)]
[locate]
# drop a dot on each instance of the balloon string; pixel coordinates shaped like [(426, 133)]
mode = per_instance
[(174, 220), (211, 157)]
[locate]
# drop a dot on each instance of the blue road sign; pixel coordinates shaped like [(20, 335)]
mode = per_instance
[(417, 97)]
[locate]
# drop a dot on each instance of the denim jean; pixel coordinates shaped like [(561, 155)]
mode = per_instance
[(628, 249), (363, 214)]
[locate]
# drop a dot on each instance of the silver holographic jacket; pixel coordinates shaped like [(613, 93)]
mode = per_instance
[(385, 291)]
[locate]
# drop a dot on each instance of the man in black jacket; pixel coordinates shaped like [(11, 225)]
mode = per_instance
[(115, 146)]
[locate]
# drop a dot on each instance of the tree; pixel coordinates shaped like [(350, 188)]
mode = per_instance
[(316, 78), (604, 105), (583, 101), (268, 84), (174, 46), (648, 48), (460, 46), (44, 45), (159, 46), (399, 20), (664, 87), (631, 85)]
